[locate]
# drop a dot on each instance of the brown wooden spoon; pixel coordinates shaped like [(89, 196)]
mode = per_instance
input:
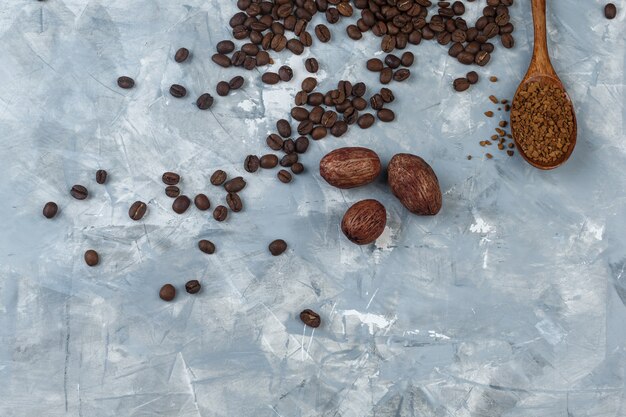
[(541, 70)]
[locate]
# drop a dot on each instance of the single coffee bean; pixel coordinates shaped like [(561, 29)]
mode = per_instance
[(402, 74), (220, 213), (385, 115), (238, 59), (277, 247), (458, 8), (178, 91), (284, 176), (225, 47), (459, 36), (275, 142), (386, 75), (236, 82), (270, 78), (319, 132), (329, 118), (375, 64), (339, 128), (316, 113), (310, 318), (202, 202), (181, 55), (222, 88), (461, 84), (289, 146), (377, 102), (206, 246), (234, 202), (172, 191), (507, 40), (353, 31), (285, 73), (289, 159), (251, 164), (181, 204), (295, 46), (302, 144), (466, 58), (365, 120), (101, 176), (387, 95), (221, 60), (262, 59), (91, 257), (322, 32), (472, 77), (359, 89), (309, 84), (315, 99), (392, 61), (488, 47), (407, 59), (268, 161), (482, 58), (301, 98), (193, 286), (284, 128), (297, 168), (167, 292), (359, 103), (50, 209), (205, 101), (306, 38), (279, 42), (300, 27), (311, 65), (125, 82), (137, 210), (305, 127), (170, 178), (79, 192), (299, 113), (250, 49), (610, 11), (388, 43), (235, 185), (218, 177), (455, 49)]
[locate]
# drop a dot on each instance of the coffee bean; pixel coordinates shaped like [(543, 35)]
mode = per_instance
[(311, 65), (101, 176), (167, 292), (222, 88), (285, 73), (91, 257), (202, 202), (270, 78), (316, 113), (332, 15), (315, 99), (305, 127), (172, 191), (181, 55), (235, 185), (401, 74), (251, 164), (137, 210), (300, 27), (218, 177), (262, 59), (319, 132), (125, 82), (359, 103), (221, 60), (392, 61), (289, 159), (299, 113), (284, 128), (388, 43), (482, 58), (377, 102), (345, 9), (249, 63), (170, 178), (236, 82), (250, 49), (310, 318), (507, 40), (193, 286), (309, 84), (225, 47), (339, 128), (297, 168), (359, 89), (302, 144), (295, 46), (181, 204), (79, 192), (385, 115), (301, 98), (238, 59), (387, 95), (205, 101), (487, 47), (220, 213), (375, 64), (456, 49), (277, 247), (472, 77), (386, 75), (234, 202), (466, 58), (366, 120), (178, 91), (284, 176), (50, 209), (269, 161), (275, 142), (458, 8), (407, 59), (322, 32), (206, 246), (610, 11), (329, 118), (353, 32), (461, 84), (289, 146)]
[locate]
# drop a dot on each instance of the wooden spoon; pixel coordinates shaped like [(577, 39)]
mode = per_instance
[(541, 70)]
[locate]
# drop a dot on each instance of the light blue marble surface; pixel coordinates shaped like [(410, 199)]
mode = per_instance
[(510, 302)]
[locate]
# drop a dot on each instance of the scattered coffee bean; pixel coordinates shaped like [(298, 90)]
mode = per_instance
[(225, 47), (220, 213), (91, 257), (206, 246), (322, 32), (375, 64), (299, 113), (101, 176), (319, 132), (167, 292), (222, 89), (270, 78), (236, 82), (407, 59), (285, 73), (181, 55), (205, 101), (309, 84), (377, 102), (275, 142), (234, 202), (365, 120), (289, 146), (392, 61), (302, 144), (339, 129), (277, 247), (251, 164), (353, 31), (178, 91), (137, 210), (269, 161), (297, 168), (386, 75), (222, 60), (172, 191), (284, 176), (310, 318), (79, 192), (50, 209), (493, 79), (262, 59), (461, 84), (235, 185), (311, 65), (385, 115), (202, 202), (295, 46), (218, 177), (284, 128), (610, 11), (401, 74), (193, 286), (289, 159), (472, 77), (125, 82), (181, 204)]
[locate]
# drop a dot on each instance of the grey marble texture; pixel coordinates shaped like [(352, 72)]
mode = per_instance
[(509, 303)]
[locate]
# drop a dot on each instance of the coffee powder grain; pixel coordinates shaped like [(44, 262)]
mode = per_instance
[(543, 122)]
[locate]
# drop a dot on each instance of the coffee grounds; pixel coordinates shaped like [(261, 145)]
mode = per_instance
[(543, 122)]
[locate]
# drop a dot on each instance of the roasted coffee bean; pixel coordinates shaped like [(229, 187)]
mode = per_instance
[(289, 146), (206, 246), (222, 88), (251, 163), (178, 91), (305, 127), (167, 292), (311, 65), (388, 43), (407, 59), (508, 28), (507, 40), (79, 192), (461, 84), (91, 257), (137, 210), (284, 176), (170, 178), (329, 118), (456, 49), (472, 47), (236, 82), (249, 63), (269, 161), (285, 73), (299, 27), (274, 141), (339, 128), (235, 185), (50, 209), (225, 47), (125, 82), (359, 103), (270, 78), (202, 202), (375, 64), (279, 42), (610, 11), (343, 106), (332, 15), (310, 318), (482, 58), (234, 202), (205, 101), (322, 32), (345, 9), (309, 84), (302, 144), (284, 128), (193, 286), (301, 98), (316, 113), (386, 75), (262, 59), (466, 58), (385, 115), (472, 77), (101, 176), (444, 38), (353, 32), (315, 99), (221, 60), (377, 102), (181, 55), (297, 168), (181, 204), (387, 95), (289, 159), (277, 247), (491, 30), (458, 8), (218, 177), (402, 74), (220, 213), (172, 191), (487, 47), (250, 49), (392, 61), (365, 120), (359, 89), (295, 46), (299, 113)]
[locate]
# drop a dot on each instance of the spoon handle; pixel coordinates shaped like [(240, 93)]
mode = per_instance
[(541, 59)]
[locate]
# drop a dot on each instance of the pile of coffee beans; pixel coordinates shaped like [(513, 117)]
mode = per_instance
[(168, 291), (389, 69)]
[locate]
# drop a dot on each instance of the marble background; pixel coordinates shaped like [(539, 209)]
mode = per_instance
[(510, 302)]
